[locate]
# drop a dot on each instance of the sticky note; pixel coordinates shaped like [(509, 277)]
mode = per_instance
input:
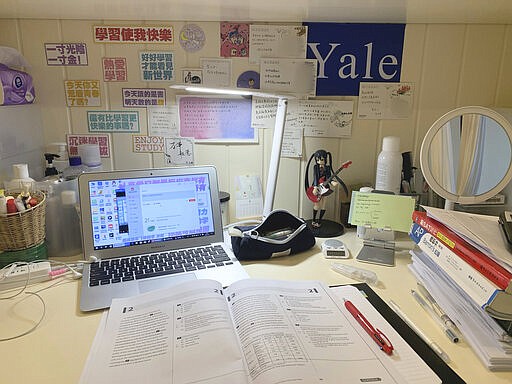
[(381, 210)]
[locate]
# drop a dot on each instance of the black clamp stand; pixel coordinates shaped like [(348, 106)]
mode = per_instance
[(378, 246)]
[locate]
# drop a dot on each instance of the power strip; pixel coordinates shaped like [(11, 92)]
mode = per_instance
[(17, 275)]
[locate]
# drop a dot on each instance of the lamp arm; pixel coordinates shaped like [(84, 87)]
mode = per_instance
[(275, 156)]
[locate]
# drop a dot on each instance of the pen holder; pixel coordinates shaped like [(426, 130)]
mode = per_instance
[(280, 234)]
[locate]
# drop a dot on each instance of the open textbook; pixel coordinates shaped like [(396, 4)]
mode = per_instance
[(254, 332)]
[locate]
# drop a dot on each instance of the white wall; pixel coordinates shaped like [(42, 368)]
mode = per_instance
[(451, 65), (21, 139)]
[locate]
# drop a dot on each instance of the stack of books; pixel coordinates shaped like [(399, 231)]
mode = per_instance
[(470, 283)]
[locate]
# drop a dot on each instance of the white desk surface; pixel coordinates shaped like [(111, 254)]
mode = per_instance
[(56, 351)]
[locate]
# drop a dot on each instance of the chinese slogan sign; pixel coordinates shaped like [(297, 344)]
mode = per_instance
[(75, 140), (114, 69), (143, 97), (82, 93), (133, 34), (156, 66), (66, 54), (113, 121)]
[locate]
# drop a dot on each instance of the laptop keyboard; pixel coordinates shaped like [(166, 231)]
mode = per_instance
[(159, 264)]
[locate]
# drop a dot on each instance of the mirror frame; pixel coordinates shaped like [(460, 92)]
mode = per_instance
[(437, 126)]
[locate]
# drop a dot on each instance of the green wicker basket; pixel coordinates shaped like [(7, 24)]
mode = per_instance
[(38, 252)]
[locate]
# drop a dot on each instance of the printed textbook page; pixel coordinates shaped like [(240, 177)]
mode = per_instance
[(181, 334), (254, 332), (298, 332)]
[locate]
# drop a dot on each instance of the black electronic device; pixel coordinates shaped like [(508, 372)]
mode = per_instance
[(335, 249)]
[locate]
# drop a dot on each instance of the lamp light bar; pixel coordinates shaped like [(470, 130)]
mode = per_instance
[(230, 91)]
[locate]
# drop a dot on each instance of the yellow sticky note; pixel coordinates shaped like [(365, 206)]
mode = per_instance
[(380, 210)]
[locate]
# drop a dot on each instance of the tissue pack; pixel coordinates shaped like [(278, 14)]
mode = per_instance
[(15, 87)]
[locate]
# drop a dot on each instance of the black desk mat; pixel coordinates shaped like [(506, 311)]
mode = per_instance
[(445, 373)]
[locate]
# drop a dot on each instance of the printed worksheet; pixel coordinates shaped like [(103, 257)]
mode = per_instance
[(254, 332)]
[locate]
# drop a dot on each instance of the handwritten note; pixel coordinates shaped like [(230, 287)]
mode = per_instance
[(163, 121), (263, 113), (277, 41), (289, 75), (322, 118), (292, 143), (379, 210), (216, 72), (179, 151), (385, 100)]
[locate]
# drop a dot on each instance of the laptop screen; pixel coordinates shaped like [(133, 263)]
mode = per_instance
[(128, 212)]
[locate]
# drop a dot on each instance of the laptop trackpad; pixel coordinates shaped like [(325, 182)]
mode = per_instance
[(152, 284)]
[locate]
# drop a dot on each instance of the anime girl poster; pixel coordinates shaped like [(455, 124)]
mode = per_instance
[(234, 40)]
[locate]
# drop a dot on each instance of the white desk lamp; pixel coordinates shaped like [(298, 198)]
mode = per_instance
[(277, 141)]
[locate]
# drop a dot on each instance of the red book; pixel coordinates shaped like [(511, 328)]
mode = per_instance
[(467, 252)]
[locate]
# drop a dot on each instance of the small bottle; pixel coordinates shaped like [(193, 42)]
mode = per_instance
[(62, 160), (21, 179), (3, 203), (389, 166), (90, 154), (75, 169)]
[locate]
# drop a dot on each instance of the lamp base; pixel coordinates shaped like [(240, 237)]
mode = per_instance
[(327, 228)]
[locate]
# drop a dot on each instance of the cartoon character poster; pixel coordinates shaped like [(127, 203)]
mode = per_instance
[(234, 40)]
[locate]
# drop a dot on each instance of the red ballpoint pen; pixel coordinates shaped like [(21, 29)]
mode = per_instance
[(380, 338)]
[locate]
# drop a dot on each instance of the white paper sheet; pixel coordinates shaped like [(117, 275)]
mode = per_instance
[(405, 359), (478, 329)]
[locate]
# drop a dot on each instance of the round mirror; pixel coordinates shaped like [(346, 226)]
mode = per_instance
[(466, 156)]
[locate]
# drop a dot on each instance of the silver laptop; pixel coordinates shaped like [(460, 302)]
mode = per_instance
[(150, 229)]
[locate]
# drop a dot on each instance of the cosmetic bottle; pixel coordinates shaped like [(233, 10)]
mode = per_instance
[(389, 166), (62, 160), (75, 169)]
